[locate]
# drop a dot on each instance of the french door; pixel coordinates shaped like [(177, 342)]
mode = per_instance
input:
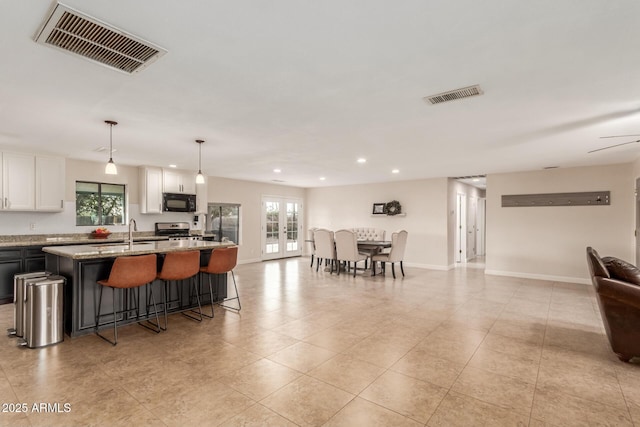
[(281, 227)]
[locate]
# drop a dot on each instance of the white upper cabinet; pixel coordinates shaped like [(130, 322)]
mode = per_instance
[(32, 182), (150, 179), (179, 181), (201, 197), (50, 183), (18, 182)]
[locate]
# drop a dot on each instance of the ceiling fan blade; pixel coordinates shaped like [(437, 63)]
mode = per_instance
[(611, 146), (617, 136)]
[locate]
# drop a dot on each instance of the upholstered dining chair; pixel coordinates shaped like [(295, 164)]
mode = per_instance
[(325, 247), (347, 249), (398, 244), (313, 243)]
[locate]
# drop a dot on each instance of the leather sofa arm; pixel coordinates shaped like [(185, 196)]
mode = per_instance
[(618, 290)]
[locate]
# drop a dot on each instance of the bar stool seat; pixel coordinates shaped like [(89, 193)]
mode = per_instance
[(180, 266), (222, 261), (128, 273)]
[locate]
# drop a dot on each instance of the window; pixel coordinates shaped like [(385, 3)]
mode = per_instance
[(100, 204), (223, 221)]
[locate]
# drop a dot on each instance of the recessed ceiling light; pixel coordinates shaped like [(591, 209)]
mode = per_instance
[(362, 160), (277, 170), (395, 171), (322, 178), (173, 166), (475, 179)]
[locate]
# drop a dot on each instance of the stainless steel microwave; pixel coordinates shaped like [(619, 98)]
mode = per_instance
[(176, 202)]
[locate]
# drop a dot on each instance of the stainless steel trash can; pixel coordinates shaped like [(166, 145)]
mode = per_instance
[(18, 300), (43, 301)]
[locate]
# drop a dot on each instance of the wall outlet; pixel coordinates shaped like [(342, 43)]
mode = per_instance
[(32, 226)]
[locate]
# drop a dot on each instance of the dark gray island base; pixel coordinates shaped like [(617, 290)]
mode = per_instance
[(83, 267)]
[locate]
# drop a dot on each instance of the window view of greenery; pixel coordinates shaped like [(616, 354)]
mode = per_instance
[(100, 204), (223, 220)]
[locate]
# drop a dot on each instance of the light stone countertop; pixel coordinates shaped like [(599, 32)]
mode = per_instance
[(110, 250), (70, 239)]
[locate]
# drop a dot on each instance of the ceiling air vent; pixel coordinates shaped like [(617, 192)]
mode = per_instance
[(72, 31), (452, 95)]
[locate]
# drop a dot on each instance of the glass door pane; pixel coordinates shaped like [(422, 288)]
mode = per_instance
[(293, 245), (272, 227)]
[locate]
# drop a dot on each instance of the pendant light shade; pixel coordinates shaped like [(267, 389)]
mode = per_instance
[(200, 176), (111, 168)]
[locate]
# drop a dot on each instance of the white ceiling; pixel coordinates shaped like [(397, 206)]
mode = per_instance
[(310, 86)]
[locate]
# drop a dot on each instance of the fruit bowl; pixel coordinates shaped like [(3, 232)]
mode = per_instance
[(100, 234)]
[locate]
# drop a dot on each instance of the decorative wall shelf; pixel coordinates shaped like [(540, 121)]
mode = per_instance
[(389, 216)]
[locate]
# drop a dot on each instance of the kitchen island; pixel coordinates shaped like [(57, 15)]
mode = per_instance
[(84, 265)]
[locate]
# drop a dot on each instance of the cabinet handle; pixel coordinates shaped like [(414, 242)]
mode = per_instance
[(160, 207), (61, 203)]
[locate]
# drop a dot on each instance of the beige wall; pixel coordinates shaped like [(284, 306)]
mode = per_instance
[(249, 195), (81, 170), (424, 201), (550, 242)]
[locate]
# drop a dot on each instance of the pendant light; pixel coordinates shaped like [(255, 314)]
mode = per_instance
[(111, 168), (200, 176)]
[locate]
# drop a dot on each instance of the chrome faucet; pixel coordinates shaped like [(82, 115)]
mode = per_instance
[(135, 228)]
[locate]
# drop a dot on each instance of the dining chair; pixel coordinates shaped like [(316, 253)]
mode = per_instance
[(396, 254), (347, 249), (325, 247), (368, 233), (313, 243)]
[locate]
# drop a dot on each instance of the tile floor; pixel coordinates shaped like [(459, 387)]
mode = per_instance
[(436, 348)]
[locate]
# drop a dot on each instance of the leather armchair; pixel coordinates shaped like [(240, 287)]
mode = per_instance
[(617, 284)]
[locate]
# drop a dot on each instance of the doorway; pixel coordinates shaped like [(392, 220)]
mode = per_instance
[(281, 227)]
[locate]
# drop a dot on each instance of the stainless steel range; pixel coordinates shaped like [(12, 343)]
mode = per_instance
[(175, 231)]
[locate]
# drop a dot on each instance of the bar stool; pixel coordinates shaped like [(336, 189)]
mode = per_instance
[(222, 261), (180, 266), (127, 273)]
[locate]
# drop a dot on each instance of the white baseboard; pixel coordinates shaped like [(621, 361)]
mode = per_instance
[(428, 266), (547, 277), (249, 261)]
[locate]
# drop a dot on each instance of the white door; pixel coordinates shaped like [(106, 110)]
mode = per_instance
[(281, 227), (472, 203), (461, 227), (480, 226)]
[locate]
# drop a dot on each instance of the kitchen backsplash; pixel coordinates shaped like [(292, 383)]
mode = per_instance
[(20, 223)]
